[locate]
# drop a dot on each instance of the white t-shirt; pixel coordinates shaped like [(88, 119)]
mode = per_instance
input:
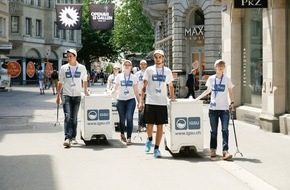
[(139, 76), (111, 78), (156, 90), (71, 77), (126, 84), (219, 98)]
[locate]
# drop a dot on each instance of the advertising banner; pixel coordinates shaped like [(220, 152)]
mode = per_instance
[(69, 17), (102, 16), (30, 69), (14, 69)]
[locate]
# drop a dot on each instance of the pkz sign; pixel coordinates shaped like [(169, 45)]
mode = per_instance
[(251, 3)]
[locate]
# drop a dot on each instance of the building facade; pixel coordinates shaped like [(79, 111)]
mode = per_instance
[(255, 38), (188, 31), (34, 36), (5, 46)]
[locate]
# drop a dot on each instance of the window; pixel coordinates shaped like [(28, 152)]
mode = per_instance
[(37, 3), (252, 58), (56, 31), (63, 34), (2, 27), (71, 35), (30, 2), (14, 24), (28, 26), (47, 5), (38, 28)]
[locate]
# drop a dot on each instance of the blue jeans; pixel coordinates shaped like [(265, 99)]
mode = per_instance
[(214, 116), (126, 110), (71, 108)]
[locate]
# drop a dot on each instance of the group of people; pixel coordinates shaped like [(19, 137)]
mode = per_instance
[(148, 89), (43, 81)]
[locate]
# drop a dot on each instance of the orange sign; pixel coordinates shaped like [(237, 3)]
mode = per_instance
[(14, 69), (30, 69), (48, 68)]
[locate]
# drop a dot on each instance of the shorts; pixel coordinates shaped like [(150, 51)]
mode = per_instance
[(155, 114)]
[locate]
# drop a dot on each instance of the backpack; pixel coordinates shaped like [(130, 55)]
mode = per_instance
[(54, 75)]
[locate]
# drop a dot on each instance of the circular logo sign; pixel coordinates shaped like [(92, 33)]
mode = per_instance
[(30, 69), (14, 69), (195, 64), (48, 68)]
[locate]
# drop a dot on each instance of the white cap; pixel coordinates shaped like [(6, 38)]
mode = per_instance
[(72, 51), (127, 60), (217, 62), (117, 65), (143, 61), (159, 51)]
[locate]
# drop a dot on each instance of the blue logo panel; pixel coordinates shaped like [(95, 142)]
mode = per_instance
[(180, 123), (104, 114), (92, 115), (194, 123)]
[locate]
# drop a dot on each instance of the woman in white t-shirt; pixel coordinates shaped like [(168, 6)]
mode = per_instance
[(220, 87), (111, 78), (126, 84)]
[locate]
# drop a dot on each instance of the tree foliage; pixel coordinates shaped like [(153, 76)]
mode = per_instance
[(133, 31), (95, 43)]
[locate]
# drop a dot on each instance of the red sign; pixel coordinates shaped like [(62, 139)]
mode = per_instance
[(30, 69), (48, 68), (14, 69)]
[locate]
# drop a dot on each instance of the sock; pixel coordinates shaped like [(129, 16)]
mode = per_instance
[(156, 147), (150, 138)]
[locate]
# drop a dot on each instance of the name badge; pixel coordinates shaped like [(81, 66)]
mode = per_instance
[(72, 86), (212, 104), (158, 91), (126, 92)]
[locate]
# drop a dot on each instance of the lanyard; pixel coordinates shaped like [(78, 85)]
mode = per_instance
[(72, 76), (216, 87), (160, 75), (127, 81)]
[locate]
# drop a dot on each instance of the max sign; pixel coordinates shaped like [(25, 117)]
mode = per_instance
[(251, 3)]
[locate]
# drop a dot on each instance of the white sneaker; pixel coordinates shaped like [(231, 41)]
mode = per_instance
[(66, 143), (74, 141)]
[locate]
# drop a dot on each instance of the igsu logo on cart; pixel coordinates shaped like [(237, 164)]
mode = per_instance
[(102, 114), (184, 123)]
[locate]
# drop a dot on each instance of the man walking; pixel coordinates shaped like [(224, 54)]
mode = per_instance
[(156, 78), (70, 84)]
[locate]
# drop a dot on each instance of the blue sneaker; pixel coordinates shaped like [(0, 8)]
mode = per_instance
[(148, 145), (157, 153)]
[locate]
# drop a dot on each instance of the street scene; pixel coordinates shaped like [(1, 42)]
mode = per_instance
[(33, 157)]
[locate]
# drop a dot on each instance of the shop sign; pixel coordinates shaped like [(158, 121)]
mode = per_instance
[(251, 4), (196, 34), (14, 69), (30, 69)]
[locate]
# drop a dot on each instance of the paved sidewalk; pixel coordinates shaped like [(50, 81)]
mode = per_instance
[(266, 155)]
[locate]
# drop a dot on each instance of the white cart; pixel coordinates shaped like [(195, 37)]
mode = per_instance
[(185, 128), (115, 114), (96, 117)]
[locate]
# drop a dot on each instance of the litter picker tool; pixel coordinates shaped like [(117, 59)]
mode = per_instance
[(138, 135), (237, 151), (57, 111)]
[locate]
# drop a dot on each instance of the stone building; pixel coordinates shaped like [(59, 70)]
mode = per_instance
[(188, 31), (34, 36)]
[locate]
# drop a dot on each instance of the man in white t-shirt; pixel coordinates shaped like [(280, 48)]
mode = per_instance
[(71, 77), (156, 78), (220, 87), (139, 75)]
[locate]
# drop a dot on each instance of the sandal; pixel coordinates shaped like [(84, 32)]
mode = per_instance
[(129, 141), (123, 138)]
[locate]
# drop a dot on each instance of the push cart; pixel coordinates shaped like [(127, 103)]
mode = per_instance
[(96, 118), (185, 128)]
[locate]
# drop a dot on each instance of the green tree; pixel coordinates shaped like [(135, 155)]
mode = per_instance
[(95, 43), (132, 31)]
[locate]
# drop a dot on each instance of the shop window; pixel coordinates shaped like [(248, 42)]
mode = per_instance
[(252, 73)]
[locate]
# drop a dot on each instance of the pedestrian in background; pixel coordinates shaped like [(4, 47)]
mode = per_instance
[(190, 84), (139, 75), (54, 81), (71, 78), (41, 80), (126, 83), (220, 87), (155, 79)]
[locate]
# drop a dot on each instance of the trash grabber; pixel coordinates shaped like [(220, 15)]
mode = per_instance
[(57, 111), (237, 152)]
